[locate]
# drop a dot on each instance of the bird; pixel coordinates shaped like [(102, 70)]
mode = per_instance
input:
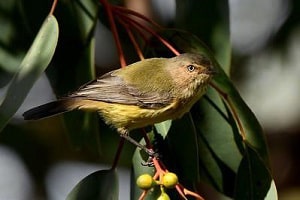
[(143, 93)]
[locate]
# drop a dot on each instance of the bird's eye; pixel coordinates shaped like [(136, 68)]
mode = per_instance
[(191, 68)]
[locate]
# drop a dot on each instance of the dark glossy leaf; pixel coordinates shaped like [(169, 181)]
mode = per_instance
[(74, 58), (31, 16), (190, 43), (209, 169), (15, 38), (35, 62), (209, 20), (85, 132), (220, 137), (253, 177), (73, 65), (99, 185), (251, 127), (212, 121), (183, 150), (219, 152), (218, 128), (218, 147)]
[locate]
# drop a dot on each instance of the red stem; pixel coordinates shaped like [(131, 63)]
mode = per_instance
[(146, 138), (135, 44), (114, 30), (162, 40), (123, 19), (132, 39), (53, 7), (118, 153), (121, 11), (143, 195)]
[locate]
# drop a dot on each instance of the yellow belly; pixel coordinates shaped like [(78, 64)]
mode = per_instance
[(129, 116)]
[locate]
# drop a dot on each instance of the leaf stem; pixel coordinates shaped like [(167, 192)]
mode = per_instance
[(143, 195), (120, 10), (53, 7), (224, 95), (157, 36), (114, 30), (132, 39)]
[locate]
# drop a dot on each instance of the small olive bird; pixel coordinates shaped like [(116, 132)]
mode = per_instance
[(143, 93)]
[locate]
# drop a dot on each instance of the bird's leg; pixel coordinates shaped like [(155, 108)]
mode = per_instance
[(125, 134)]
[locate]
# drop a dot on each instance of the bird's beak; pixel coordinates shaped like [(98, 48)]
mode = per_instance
[(210, 71)]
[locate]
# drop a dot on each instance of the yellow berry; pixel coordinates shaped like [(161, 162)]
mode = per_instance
[(144, 181), (169, 180), (163, 196)]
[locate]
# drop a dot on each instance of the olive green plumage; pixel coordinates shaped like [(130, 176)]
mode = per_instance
[(143, 93)]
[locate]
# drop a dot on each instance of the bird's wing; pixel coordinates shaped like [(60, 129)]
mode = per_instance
[(112, 88)]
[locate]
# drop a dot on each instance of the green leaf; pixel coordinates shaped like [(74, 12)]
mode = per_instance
[(75, 60), (163, 127), (215, 126), (219, 152), (221, 144), (214, 130), (209, 20), (9, 62), (35, 62), (251, 128), (85, 13), (14, 37), (183, 148), (209, 168), (75, 53), (102, 184), (85, 132), (272, 193), (228, 150), (253, 177)]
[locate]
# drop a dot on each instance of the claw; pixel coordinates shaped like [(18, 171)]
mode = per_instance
[(152, 155)]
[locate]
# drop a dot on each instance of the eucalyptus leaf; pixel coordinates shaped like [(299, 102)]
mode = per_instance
[(253, 177), (251, 129), (183, 148), (272, 193), (223, 121), (99, 185), (187, 42), (85, 132), (85, 13), (34, 63), (213, 123), (163, 127), (75, 59), (209, 169), (208, 20)]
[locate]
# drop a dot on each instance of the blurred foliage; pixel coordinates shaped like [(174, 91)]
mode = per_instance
[(204, 146), (89, 188), (34, 63)]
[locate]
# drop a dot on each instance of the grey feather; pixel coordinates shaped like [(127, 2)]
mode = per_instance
[(112, 88)]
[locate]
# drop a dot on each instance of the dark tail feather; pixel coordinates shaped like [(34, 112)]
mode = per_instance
[(49, 109)]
